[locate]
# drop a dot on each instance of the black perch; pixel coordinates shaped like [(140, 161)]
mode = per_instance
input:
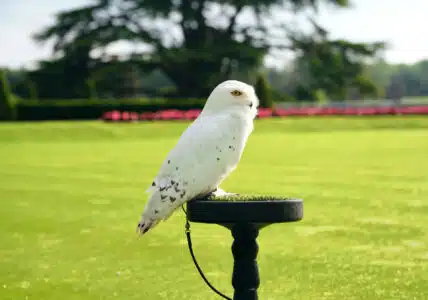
[(245, 216)]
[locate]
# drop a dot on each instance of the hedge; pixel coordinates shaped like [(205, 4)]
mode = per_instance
[(82, 109), (7, 103)]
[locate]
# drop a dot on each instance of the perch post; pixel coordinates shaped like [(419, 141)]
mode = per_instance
[(244, 216)]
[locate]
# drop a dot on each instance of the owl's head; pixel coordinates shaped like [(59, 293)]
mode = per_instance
[(233, 94)]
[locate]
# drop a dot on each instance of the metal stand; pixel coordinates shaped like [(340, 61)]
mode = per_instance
[(245, 219)]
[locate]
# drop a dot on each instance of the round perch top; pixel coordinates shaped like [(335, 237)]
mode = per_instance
[(245, 209)]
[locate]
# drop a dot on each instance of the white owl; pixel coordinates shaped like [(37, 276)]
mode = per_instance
[(206, 153)]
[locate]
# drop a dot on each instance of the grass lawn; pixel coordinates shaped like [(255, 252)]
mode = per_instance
[(72, 192)]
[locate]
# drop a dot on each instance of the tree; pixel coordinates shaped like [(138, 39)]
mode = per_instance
[(396, 88), (7, 107), (380, 72), (398, 80), (334, 66), (263, 92), (196, 43), (65, 76)]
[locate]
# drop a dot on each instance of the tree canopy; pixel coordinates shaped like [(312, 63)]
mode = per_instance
[(335, 67), (194, 44)]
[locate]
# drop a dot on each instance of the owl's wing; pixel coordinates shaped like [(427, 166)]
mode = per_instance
[(204, 156)]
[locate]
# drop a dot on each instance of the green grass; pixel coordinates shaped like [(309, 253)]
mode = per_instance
[(72, 193)]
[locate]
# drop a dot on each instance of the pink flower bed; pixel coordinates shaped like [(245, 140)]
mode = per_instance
[(172, 114)]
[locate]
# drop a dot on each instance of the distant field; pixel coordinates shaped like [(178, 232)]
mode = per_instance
[(72, 193)]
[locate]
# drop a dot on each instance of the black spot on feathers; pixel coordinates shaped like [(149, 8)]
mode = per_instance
[(156, 211), (162, 197), (218, 158), (153, 183), (172, 199), (169, 161)]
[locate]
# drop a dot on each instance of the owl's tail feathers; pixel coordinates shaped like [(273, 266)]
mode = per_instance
[(147, 221), (145, 225)]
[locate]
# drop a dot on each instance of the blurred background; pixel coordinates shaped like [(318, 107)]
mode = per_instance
[(80, 60)]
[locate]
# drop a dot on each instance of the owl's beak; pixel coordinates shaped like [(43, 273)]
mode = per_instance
[(255, 102)]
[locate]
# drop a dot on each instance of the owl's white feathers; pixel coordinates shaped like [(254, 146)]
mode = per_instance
[(206, 153)]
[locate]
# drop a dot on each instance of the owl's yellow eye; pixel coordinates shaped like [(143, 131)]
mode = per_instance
[(236, 93)]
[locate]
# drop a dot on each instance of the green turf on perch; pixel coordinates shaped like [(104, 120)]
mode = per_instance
[(245, 215)]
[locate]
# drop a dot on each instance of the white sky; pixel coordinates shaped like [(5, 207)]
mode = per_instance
[(402, 24)]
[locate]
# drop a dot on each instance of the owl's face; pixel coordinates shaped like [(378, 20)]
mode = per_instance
[(233, 93)]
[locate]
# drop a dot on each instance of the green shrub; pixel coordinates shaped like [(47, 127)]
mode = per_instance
[(7, 105), (91, 89), (320, 96), (263, 92)]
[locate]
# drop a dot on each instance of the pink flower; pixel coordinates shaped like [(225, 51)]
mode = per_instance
[(147, 116), (174, 114), (366, 111), (107, 115), (115, 116), (280, 112), (191, 114), (170, 114), (264, 113), (412, 110), (126, 116), (133, 116)]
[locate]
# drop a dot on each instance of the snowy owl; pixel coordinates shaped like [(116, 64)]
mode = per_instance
[(206, 153)]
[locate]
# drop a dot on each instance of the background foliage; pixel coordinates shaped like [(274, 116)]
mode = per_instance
[(7, 103), (190, 46), (184, 48)]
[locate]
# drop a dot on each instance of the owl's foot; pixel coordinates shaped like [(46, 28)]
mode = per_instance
[(219, 193), (216, 193)]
